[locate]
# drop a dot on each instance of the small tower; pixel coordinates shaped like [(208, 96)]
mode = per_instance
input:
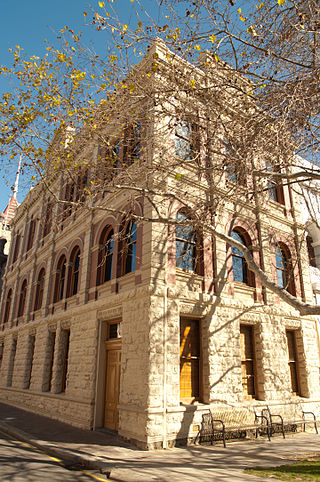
[(9, 212)]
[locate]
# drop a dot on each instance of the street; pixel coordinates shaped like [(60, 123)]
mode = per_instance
[(20, 461)]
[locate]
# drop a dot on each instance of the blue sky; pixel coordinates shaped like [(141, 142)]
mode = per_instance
[(27, 23)]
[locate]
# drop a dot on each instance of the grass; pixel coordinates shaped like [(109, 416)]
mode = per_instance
[(307, 470)]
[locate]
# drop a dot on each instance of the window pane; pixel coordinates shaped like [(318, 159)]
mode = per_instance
[(183, 139)]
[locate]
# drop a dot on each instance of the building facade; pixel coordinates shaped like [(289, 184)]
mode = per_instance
[(111, 319)]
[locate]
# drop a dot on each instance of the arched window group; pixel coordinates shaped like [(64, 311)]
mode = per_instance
[(126, 252), (72, 278)]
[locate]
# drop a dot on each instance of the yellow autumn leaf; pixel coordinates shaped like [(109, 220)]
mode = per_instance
[(212, 38), (192, 83), (239, 11), (101, 4), (280, 2), (124, 28), (197, 47)]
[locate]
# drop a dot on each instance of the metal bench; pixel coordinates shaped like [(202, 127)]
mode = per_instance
[(212, 426), (299, 417)]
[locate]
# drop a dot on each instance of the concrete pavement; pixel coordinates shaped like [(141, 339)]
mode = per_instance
[(121, 461)]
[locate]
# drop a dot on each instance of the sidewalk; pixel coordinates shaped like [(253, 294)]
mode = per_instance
[(123, 462)]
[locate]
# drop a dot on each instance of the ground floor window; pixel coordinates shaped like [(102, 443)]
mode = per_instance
[(29, 361), (248, 368), (11, 362), (190, 360), (293, 361), (48, 372), (65, 344)]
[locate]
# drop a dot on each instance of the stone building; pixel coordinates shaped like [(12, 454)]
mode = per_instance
[(111, 319)]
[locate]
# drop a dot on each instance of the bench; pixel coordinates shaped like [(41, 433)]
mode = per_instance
[(229, 422), (297, 417)]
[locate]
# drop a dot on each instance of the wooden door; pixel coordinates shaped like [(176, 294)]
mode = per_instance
[(113, 364)]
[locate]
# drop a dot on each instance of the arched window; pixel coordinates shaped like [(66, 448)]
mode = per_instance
[(22, 298), (311, 253), (104, 272), (186, 245), (7, 307), (39, 290), (60, 279), (239, 264), (75, 270), (129, 247), (284, 268)]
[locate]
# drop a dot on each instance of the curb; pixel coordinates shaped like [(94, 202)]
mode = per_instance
[(87, 461)]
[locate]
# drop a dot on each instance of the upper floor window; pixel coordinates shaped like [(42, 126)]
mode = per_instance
[(275, 188), (39, 290), (129, 247), (241, 273), (132, 143), (104, 272), (311, 253), (69, 198), (186, 244), (75, 271), (60, 279), (108, 161), (7, 306), (47, 219), (284, 268), (22, 298), (32, 228), (80, 190), (235, 169), (16, 247), (186, 139)]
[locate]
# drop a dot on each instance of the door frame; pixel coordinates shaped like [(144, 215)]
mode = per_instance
[(100, 385)]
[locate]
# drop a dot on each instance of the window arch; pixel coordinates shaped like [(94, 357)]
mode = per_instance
[(39, 290), (241, 273), (74, 271), (7, 307), (105, 258), (284, 268), (60, 278), (186, 244), (22, 298), (129, 247)]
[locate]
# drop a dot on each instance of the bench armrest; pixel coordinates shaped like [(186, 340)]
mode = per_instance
[(276, 416), (263, 417), (309, 413)]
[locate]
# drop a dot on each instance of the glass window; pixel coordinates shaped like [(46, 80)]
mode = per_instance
[(75, 271), (105, 259), (185, 244), (239, 264), (22, 298), (39, 290), (129, 247), (183, 139), (60, 278)]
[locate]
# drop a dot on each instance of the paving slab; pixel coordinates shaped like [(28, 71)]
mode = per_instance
[(118, 460)]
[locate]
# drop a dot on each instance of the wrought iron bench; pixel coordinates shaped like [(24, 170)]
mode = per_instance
[(212, 426), (298, 417)]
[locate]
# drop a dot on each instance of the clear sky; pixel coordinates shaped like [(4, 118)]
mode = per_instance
[(27, 23)]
